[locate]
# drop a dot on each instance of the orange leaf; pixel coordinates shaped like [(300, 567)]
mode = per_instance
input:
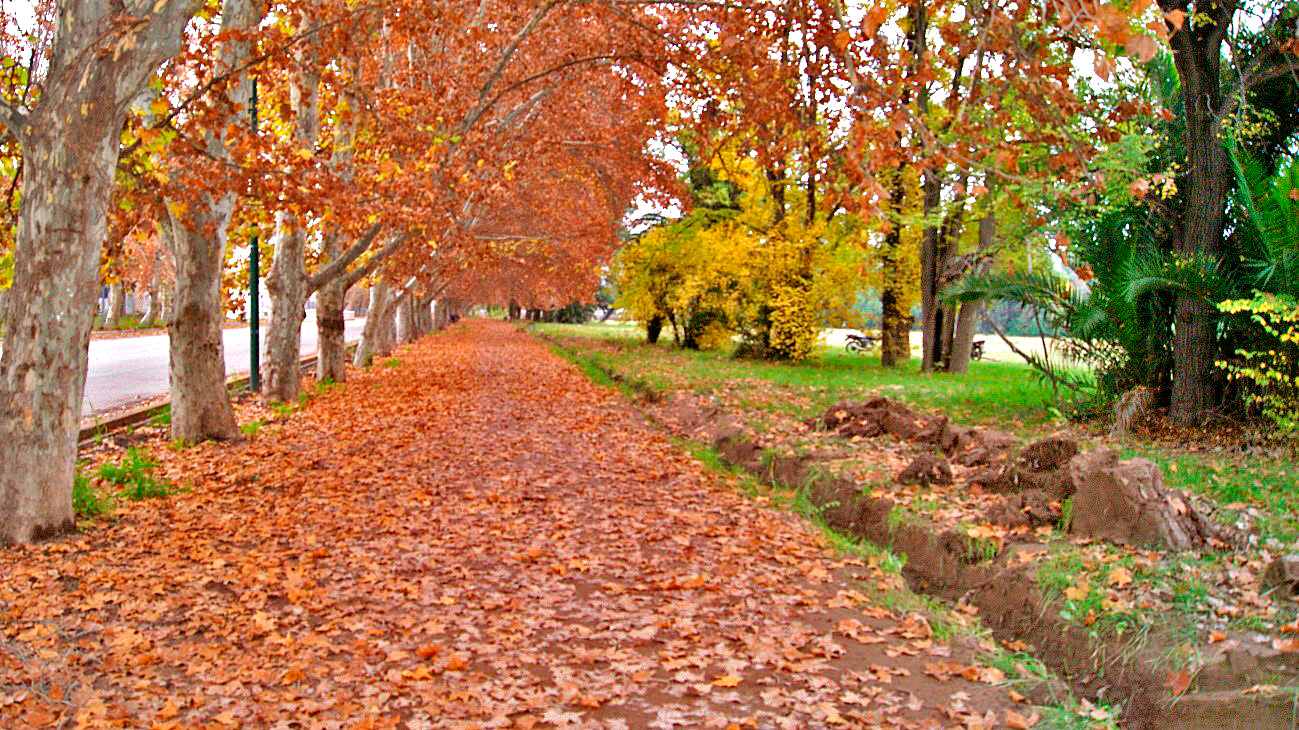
[(1016, 721), (456, 663), (1285, 644), (729, 680), (1178, 682)]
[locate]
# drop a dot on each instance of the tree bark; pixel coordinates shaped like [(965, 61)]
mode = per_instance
[(200, 402), (441, 318), (366, 349), (967, 320), (51, 309), (407, 330), (424, 316), (286, 282), (116, 305), (895, 331), (70, 143), (166, 302), (151, 311), (1197, 53), (331, 349)]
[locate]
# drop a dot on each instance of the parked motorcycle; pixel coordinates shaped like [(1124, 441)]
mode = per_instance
[(860, 343)]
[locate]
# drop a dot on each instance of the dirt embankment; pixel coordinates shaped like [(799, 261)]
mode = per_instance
[(1124, 502)]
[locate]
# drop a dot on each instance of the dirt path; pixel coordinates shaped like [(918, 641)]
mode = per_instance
[(477, 537)]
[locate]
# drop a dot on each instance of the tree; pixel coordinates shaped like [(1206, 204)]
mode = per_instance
[(100, 58), (201, 200)]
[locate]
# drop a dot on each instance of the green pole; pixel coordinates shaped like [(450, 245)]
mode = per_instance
[(254, 313)]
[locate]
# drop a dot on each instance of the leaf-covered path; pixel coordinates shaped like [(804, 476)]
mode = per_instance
[(476, 537)]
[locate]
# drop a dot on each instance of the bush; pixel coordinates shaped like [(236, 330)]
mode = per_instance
[(85, 501), (134, 474), (1270, 377)]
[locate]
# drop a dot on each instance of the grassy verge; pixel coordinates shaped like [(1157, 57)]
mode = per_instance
[(1005, 395)]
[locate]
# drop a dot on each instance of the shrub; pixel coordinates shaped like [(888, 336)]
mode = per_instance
[(85, 501), (1270, 377), (134, 474)]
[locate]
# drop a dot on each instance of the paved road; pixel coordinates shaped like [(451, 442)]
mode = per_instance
[(130, 368)]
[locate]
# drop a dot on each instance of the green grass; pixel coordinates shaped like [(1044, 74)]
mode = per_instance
[(392, 362), (86, 502), (252, 427), (1003, 394), (129, 322), (163, 417), (134, 474), (1265, 483), (282, 408)]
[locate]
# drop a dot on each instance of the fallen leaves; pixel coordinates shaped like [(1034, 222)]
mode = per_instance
[(391, 550), (1178, 682)]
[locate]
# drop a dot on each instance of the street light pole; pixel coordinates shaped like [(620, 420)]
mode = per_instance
[(254, 296)]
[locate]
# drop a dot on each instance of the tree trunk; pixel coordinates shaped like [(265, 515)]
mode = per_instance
[(61, 227), (424, 316), (365, 350), (897, 276), (895, 332), (200, 403), (407, 330), (385, 336), (70, 143), (116, 305), (967, 321), (152, 310), (331, 348), (441, 318), (1197, 52), (286, 282), (166, 302)]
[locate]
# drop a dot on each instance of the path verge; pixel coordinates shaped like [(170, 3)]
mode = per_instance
[(1163, 676)]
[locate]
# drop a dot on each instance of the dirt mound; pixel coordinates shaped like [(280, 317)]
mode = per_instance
[(976, 446), (1283, 574), (875, 417), (926, 469), (1030, 509), (1126, 502), (1038, 467), (1050, 453)]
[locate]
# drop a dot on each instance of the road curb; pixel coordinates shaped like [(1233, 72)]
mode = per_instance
[(144, 413)]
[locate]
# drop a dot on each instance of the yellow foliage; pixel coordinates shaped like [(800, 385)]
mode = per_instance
[(753, 269)]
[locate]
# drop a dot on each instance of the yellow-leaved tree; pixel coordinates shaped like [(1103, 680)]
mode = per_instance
[(756, 265)]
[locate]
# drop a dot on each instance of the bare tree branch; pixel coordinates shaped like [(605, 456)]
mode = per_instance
[(13, 118), (335, 268), (378, 258)]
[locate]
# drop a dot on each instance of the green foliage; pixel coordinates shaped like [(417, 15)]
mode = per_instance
[(252, 427), (86, 502), (134, 474), (392, 362)]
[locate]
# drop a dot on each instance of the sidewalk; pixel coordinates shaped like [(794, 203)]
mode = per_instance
[(473, 536)]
